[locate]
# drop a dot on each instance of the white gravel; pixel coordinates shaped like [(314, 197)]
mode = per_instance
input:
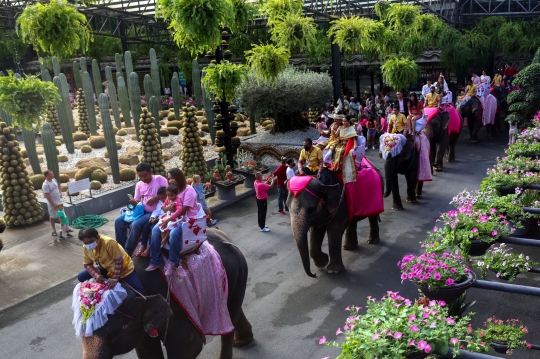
[(288, 138)]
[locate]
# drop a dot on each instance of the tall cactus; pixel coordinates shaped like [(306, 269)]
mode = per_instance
[(153, 107), (209, 115), (56, 66), (45, 74), (148, 85), (114, 104), (77, 75), (128, 64), (49, 147), (108, 74), (29, 139), (154, 71), (96, 74), (89, 100), (196, 78), (118, 62), (83, 66), (110, 140), (177, 99), (135, 100), (5, 117), (124, 101), (63, 119), (66, 100)]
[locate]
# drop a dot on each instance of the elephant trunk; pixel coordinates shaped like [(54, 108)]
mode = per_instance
[(94, 348), (300, 230), (388, 175)]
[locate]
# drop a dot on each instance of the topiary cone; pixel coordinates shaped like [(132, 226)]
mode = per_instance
[(110, 139), (49, 147)]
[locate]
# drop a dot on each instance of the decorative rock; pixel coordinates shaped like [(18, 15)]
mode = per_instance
[(79, 144), (167, 155), (128, 159), (90, 162), (133, 151), (166, 143)]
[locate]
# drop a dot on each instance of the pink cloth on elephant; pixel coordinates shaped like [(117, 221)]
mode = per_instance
[(454, 126), (489, 104), (365, 195), (421, 143), (200, 287), (298, 183)]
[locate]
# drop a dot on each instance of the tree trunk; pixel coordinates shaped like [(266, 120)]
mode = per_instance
[(286, 122)]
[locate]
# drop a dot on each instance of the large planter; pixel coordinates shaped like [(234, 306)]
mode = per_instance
[(417, 355), (227, 192), (520, 231), (210, 194), (2, 228), (500, 347), (250, 177), (478, 248), (450, 293)]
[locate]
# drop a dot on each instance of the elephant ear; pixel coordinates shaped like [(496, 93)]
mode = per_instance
[(445, 119), (156, 312)]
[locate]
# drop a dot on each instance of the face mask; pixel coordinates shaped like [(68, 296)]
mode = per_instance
[(91, 245), (307, 148)]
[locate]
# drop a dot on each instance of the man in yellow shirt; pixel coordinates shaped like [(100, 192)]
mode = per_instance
[(433, 99), (311, 156), (397, 121), (497, 80)]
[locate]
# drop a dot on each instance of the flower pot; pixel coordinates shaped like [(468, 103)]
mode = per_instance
[(2, 228), (519, 231), (500, 347), (210, 194), (228, 56), (233, 109), (218, 127), (450, 293), (478, 247), (210, 57), (233, 129), (417, 355), (509, 190)]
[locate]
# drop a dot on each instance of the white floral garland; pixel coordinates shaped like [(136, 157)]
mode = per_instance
[(395, 150)]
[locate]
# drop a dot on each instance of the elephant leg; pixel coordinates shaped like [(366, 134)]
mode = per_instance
[(412, 180), (477, 127), (351, 236), (397, 205), (335, 234), (373, 236), (149, 348), (243, 333), (441, 149), (226, 351), (419, 187), (315, 247), (470, 124)]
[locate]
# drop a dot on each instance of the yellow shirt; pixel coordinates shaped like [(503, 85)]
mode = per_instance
[(398, 124), (433, 99), (311, 159), (497, 80), (106, 253), (471, 90)]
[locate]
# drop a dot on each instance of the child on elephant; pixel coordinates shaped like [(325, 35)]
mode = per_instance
[(173, 207)]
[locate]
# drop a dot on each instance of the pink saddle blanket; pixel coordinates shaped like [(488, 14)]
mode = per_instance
[(454, 126), (200, 287), (365, 195), (298, 183)]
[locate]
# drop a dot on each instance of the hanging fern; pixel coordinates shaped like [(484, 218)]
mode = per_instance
[(195, 24), (26, 99), (402, 16), (275, 8), (221, 80), (243, 12), (55, 28), (381, 9), (268, 61), (293, 31), (399, 72), (510, 38), (347, 32)]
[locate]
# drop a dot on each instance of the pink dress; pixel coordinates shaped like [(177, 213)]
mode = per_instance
[(174, 216)]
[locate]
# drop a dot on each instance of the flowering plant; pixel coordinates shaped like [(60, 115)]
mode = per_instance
[(515, 178), (510, 164), (433, 270), (509, 332), (508, 205), (90, 295), (505, 263), (520, 149), (390, 141), (463, 225), (394, 327)]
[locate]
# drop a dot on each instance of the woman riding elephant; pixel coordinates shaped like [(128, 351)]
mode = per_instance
[(126, 328), (342, 158), (190, 208)]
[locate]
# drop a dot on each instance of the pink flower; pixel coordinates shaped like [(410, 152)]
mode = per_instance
[(347, 309), (442, 303), (338, 331), (375, 336), (450, 320), (411, 343), (437, 276), (494, 233), (322, 340), (421, 344), (454, 341), (414, 328), (412, 317), (474, 230), (398, 335), (449, 281), (435, 229), (427, 349)]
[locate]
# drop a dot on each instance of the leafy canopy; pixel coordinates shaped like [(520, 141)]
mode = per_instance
[(400, 71), (221, 80), (26, 99), (56, 28)]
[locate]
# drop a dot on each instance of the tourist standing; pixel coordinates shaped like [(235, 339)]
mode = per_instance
[(51, 191), (290, 169), (281, 174), (425, 89), (402, 103), (261, 193)]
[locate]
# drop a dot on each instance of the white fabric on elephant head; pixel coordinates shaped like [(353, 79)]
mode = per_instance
[(111, 300), (394, 151)]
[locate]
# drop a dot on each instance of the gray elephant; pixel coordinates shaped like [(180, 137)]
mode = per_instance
[(405, 163), (443, 132), (472, 110), (322, 210), (125, 330)]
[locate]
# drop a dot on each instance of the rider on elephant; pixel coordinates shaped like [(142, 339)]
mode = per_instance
[(433, 99), (397, 121), (342, 158), (312, 157)]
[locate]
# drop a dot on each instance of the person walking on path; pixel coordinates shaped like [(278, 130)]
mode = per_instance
[(261, 193), (290, 170), (51, 191), (281, 175)]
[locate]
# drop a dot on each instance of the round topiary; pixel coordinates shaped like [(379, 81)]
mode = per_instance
[(63, 158), (79, 136), (86, 149), (121, 133), (97, 141), (95, 185), (127, 174), (64, 178)]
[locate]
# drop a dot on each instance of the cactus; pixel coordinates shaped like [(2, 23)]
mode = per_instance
[(148, 85), (154, 71), (114, 104), (127, 174), (135, 100), (64, 92), (5, 117), (49, 146), (108, 74), (209, 115), (124, 101), (77, 75), (150, 147), (56, 66), (52, 119), (45, 74), (118, 65), (153, 107), (79, 136), (196, 78), (128, 63), (86, 149), (175, 87), (110, 139), (29, 139), (83, 67), (89, 100), (83, 173), (96, 74), (99, 175), (98, 141)]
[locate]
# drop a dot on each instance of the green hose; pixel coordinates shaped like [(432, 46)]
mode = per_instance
[(89, 220)]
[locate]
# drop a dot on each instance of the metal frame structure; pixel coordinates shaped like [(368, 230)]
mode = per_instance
[(469, 10)]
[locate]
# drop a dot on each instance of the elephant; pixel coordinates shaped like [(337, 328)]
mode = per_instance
[(442, 138), (472, 110), (322, 209), (406, 163), (125, 329)]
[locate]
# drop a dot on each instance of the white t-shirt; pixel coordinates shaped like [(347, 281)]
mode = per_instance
[(289, 173), (51, 187), (425, 90)]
